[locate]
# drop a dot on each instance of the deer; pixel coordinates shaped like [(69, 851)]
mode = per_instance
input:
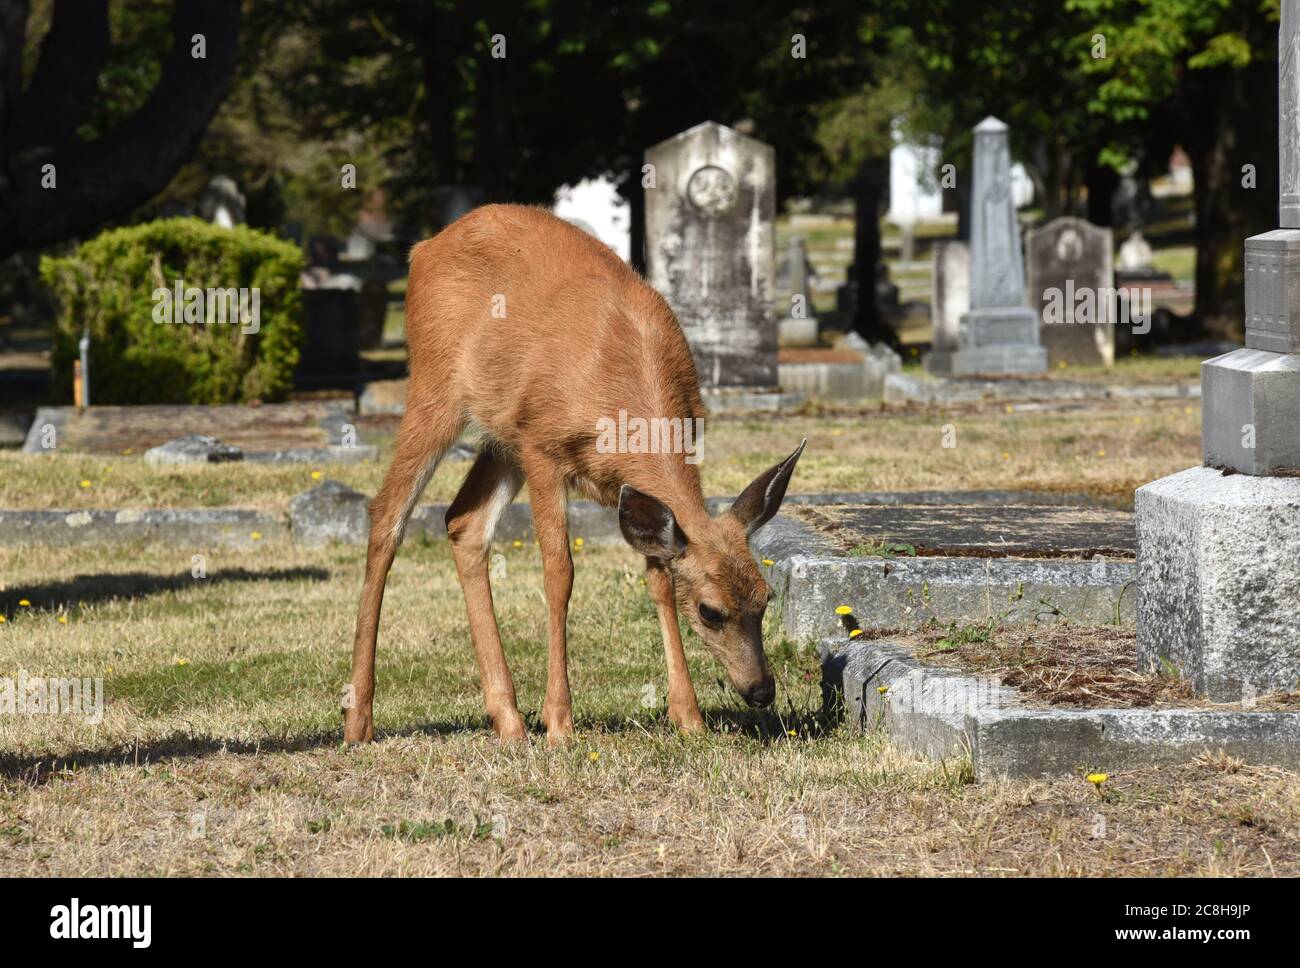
[(529, 331)]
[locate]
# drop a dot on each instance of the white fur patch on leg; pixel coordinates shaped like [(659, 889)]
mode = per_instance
[(421, 482), (502, 495)]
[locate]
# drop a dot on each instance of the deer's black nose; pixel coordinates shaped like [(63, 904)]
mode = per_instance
[(762, 694)]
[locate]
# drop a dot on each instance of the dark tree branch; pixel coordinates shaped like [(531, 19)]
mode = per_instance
[(63, 85), (105, 179)]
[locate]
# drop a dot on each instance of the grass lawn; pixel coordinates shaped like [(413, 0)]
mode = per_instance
[(219, 747), (1103, 448)]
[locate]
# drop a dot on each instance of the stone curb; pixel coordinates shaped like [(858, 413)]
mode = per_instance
[(942, 713), (889, 592), (224, 526), (906, 388)]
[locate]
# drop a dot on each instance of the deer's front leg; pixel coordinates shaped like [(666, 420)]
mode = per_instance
[(546, 492), (683, 707)]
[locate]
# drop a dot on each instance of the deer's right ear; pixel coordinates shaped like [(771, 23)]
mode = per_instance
[(648, 525)]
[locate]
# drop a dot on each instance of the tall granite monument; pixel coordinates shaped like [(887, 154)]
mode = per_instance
[(1000, 332), (1219, 545), (710, 250)]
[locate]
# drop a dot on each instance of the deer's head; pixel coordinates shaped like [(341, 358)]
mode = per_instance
[(718, 585)]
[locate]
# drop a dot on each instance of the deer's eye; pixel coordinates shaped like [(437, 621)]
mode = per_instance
[(711, 616)]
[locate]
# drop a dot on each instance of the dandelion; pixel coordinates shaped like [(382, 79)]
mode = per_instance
[(593, 756), (316, 475), (517, 543), (882, 689), (3, 620), (63, 620), (256, 536), (1008, 408), (578, 542), (24, 603), (855, 633), (182, 662), (109, 670), (85, 483), (1101, 453), (844, 610), (769, 562), (1006, 456), (791, 732), (1097, 779)]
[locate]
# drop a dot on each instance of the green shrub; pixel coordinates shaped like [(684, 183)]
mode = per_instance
[(108, 284)]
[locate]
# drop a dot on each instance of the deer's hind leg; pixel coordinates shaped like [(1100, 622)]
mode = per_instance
[(424, 436), (492, 484)]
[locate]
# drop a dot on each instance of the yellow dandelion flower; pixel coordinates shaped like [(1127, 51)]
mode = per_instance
[(256, 536), (855, 633), (844, 610), (24, 603), (1006, 456), (316, 475), (578, 542), (182, 662), (1008, 408), (517, 543), (1097, 779), (791, 732), (109, 670), (593, 756), (3, 620), (1101, 453), (63, 620), (769, 562), (85, 483), (882, 689)]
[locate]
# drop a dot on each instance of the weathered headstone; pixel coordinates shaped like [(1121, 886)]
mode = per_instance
[(710, 250), (1072, 285), (1136, 254), (999, 334), (949, 301), (800, 323), (222, 203), (1219, 552)]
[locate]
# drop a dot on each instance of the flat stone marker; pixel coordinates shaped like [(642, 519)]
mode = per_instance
[(270, 427), (710, 250), (980, 530), (1071, 279)]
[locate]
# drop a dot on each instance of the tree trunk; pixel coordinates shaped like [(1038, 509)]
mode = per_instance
[(98, 181)]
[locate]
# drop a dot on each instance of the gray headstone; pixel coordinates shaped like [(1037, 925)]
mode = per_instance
[(1288, 59), (1072, 285), (949, 301), (222, 203), (710, 250), (1000, 333), (1136, 254)]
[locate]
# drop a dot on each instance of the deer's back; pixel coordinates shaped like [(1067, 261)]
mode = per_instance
[(539, 331)]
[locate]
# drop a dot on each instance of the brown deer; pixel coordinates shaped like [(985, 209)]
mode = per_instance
[(533, 331)]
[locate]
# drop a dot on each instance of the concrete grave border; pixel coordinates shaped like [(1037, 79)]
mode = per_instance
[(942, 713)]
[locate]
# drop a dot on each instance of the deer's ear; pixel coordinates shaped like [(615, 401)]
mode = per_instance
[(759, 502), (648, 525)]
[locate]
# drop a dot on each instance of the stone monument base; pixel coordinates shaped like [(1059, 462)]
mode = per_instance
[(1218, 581), (1251, 411), (938, 362), (797, 332), (999, 341)]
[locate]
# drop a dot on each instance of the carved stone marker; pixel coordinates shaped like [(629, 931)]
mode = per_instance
[(1072, 285), (949, 301), (1000, 333), (1219, 554), (710, 250)]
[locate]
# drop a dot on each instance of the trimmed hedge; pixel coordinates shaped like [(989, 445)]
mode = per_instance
[(109, 284)]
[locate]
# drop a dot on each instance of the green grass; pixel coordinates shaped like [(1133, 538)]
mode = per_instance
[(219, 748)]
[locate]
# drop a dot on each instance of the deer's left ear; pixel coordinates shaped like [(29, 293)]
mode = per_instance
[(759, 502)]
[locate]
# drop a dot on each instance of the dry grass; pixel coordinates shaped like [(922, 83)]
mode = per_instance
[(1106, 449), (229, 763)]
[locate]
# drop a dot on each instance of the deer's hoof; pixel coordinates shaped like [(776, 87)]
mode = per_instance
[(358, 727)]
